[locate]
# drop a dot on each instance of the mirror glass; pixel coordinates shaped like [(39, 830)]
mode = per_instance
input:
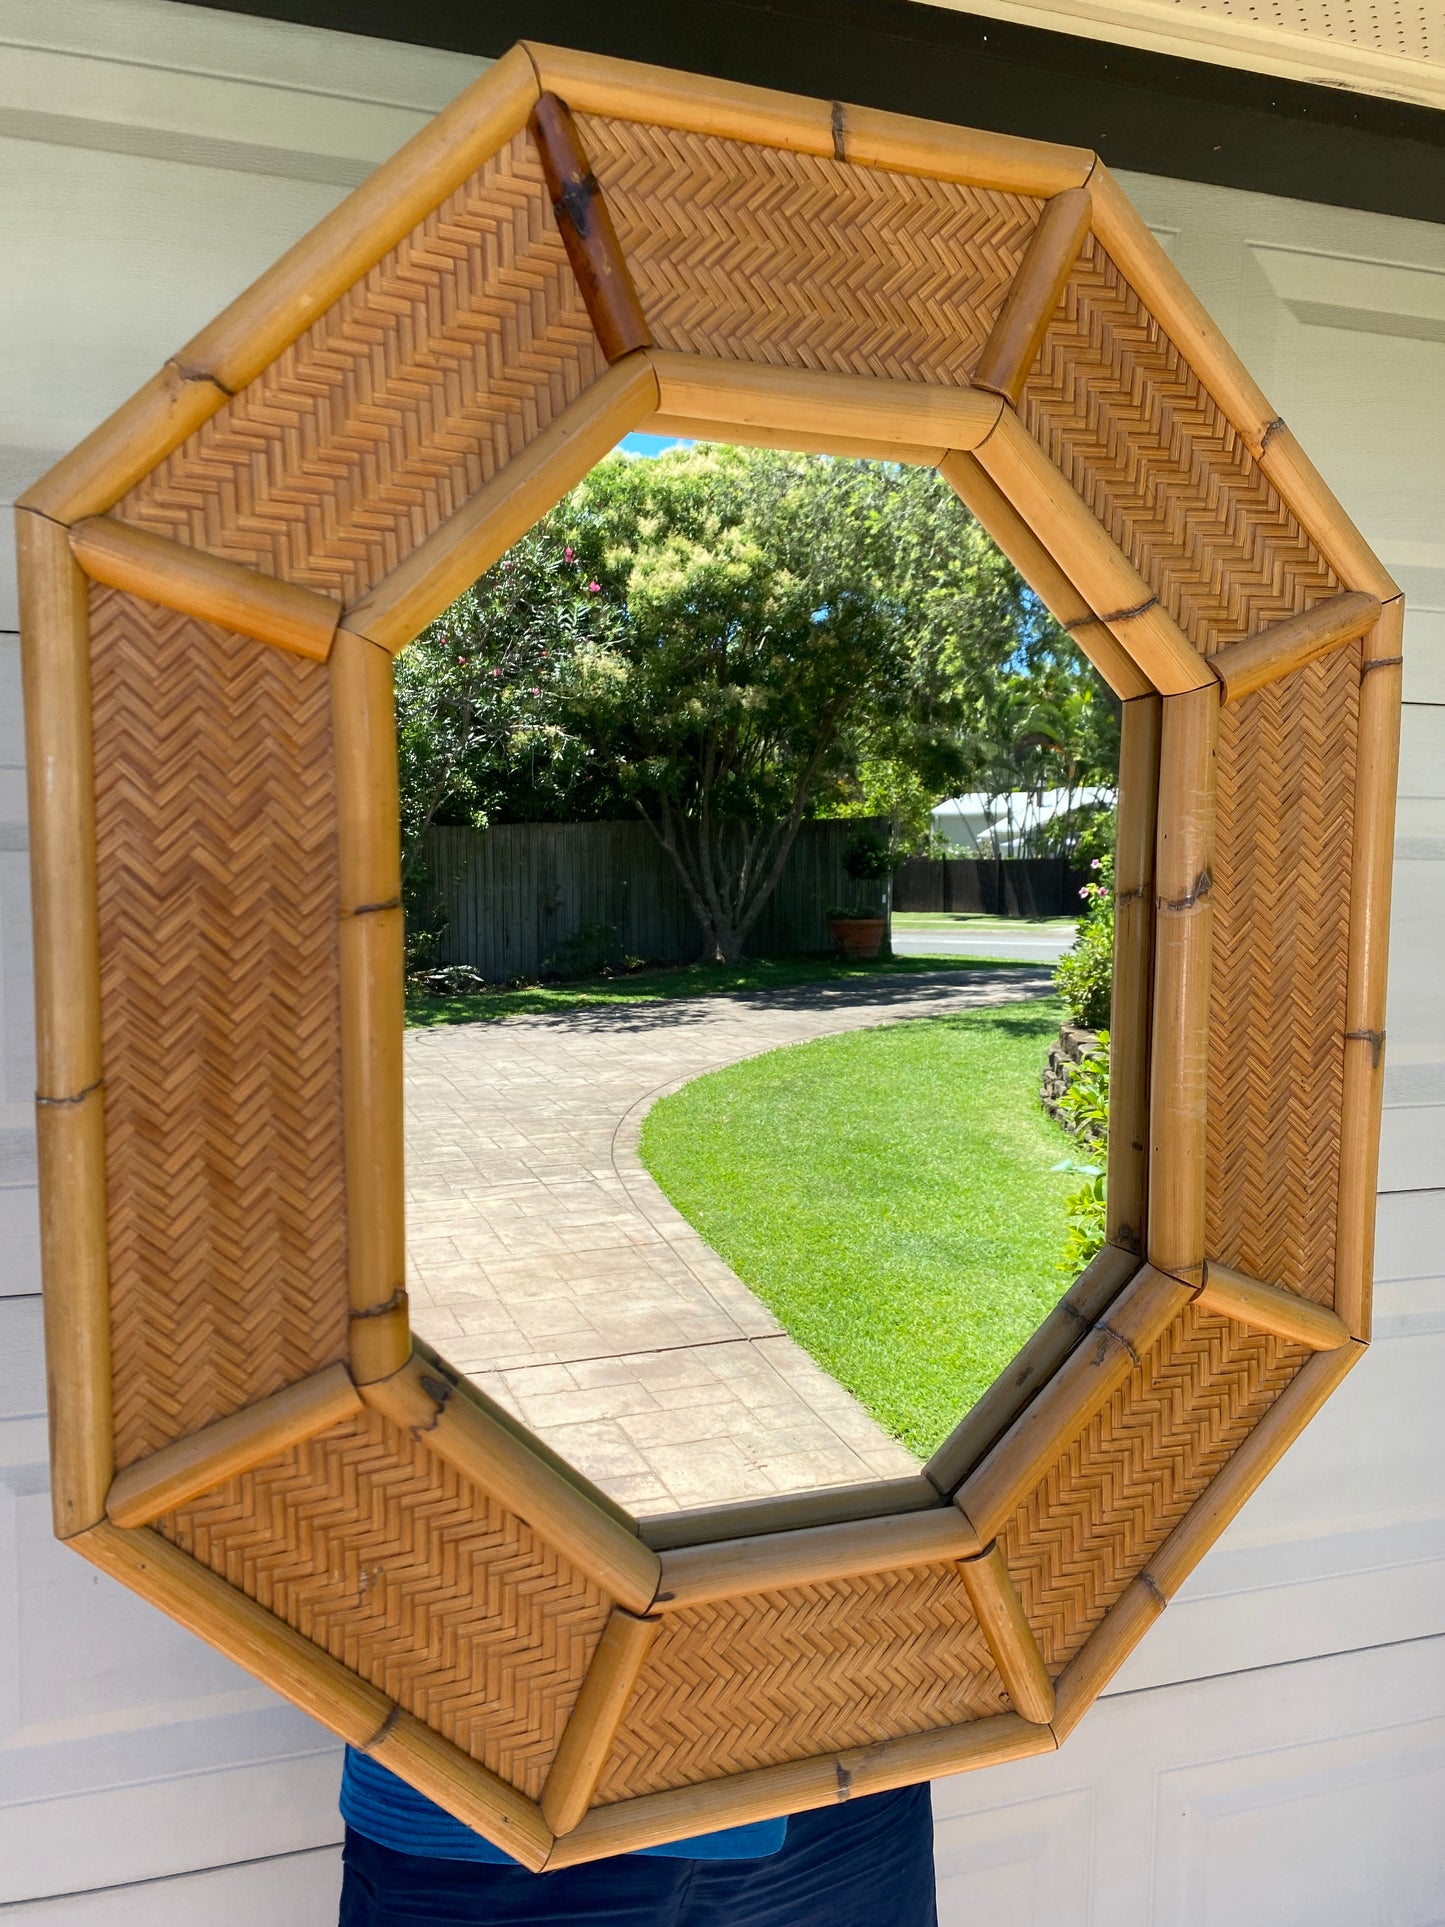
[(758, 833)]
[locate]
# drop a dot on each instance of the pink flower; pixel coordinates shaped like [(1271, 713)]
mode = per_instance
[(496, 672), (1095, 864), (594, 588), (1085, 893), (569, 555), (535, 690)]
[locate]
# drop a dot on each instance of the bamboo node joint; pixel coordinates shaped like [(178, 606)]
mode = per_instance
[(1203, 884), (383, 1730), (203, 375), (59, 1103), (397, 1302), (1376, 1041)]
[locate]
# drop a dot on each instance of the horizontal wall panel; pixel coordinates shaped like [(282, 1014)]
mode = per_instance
[(293, 1890)]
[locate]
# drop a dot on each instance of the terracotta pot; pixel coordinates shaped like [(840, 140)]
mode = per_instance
[(859, 938)]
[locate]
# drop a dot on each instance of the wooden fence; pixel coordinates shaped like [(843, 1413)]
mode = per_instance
[(521, 896), (1033, 886)]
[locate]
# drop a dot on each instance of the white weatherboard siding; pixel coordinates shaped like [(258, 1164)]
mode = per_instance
[(1275, 1751)]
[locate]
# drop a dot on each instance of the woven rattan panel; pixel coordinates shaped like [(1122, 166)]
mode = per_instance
[(770, 256), (216, 832), (396, 405), (1281, 922), (786, 1675), (1127, 421), (368, 1544), (1141, 1462)]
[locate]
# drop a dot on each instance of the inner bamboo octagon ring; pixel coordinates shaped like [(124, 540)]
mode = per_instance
[(212, 589)]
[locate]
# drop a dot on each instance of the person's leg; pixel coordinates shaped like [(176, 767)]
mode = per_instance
[(383, 1888), (860, 1863)]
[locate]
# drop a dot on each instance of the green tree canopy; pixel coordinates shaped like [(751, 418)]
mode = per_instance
[(727, 641)]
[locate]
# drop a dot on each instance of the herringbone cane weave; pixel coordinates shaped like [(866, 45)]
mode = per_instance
[(243, 1431)]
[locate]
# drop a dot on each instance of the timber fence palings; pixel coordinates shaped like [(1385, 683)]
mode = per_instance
[(1026, 886), (516, 894)]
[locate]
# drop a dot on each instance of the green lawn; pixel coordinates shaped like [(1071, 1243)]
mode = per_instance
[(889, 1195), (675, 980)]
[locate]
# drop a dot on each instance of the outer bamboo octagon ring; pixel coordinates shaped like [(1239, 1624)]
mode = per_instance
[(213, 584)]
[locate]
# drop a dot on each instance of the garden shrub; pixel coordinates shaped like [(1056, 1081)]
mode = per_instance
[(1085, 973), (1085, 1108)]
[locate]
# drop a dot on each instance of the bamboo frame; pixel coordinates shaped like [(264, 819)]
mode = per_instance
[(70, 1103), (1008, 1635), (655, 1818), (451, 558), (1246, 666), (277, 309), (698, 1575), (1179, 1044), (1088, 1377), (469, 1791), (193, 1465), (459, 1432), (1245, 1472), (303, 1673), (463, 1388), (1018, 332), (1126, 239), (587, 231), (1082, 548), (372, 993), (205, 586), (662, 97), (1377, 767), (787, 1559), (991, 508), (269, 1649), (1075, 1315), (572, 1778), (846, 447), (804, 401), (1127, 1182), (1104, 1652), (788, 1512), (1250, 1301), (1303, 489)]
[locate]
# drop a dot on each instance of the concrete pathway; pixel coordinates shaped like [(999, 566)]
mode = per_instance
[(546, 1263)]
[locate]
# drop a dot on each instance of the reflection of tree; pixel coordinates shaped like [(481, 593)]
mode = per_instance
[(759, 633), (728, 641), (477, 696), (1046, 731)]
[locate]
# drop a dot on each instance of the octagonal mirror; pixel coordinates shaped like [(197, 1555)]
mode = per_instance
[(245, 1428)]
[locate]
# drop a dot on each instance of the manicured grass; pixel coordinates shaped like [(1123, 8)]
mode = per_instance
[(675, 980), (888, 1194)]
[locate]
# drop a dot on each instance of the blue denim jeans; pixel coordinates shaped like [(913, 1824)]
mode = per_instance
[(861, 1863)]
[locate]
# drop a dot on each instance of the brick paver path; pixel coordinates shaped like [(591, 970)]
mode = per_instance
[(546, 1263)]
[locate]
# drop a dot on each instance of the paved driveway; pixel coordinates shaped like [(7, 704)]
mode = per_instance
[(545, 1262)]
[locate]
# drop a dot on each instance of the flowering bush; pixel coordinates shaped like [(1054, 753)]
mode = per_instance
[(1085, 973), (1085, 1108)]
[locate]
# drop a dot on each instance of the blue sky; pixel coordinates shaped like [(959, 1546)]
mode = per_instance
[(648, 444)]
